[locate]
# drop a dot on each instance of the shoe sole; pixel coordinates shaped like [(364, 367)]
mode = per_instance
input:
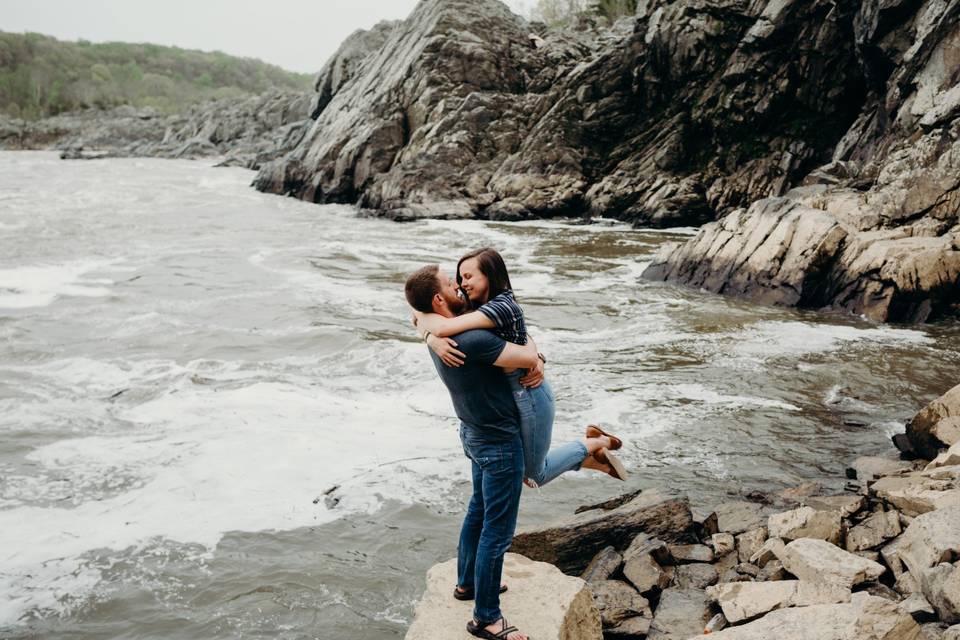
[(617, 470), (615, 442)]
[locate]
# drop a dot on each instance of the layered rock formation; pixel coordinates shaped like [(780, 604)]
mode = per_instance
[(689, 108), (245, 133), (875, 231)]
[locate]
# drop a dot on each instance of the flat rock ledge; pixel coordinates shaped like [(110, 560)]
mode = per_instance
[(880, 561), (541, 601)]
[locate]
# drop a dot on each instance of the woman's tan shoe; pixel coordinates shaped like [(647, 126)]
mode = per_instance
[(593, 431), (617, 470)]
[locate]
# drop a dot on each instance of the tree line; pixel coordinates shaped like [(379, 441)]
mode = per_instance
[(41, 76)]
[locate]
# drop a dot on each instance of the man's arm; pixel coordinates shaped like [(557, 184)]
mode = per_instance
[(515, 356)]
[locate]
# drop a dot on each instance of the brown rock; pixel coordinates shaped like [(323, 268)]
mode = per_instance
[(685, 553), (644, 573), (697, 575), (603, 565), (680, 614), (570, 542), (925, 431), (618, 601)]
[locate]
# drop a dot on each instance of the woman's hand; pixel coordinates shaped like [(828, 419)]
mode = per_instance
[(446, 351), (533, 378)]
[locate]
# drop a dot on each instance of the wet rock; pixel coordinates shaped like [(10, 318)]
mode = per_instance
[(873, 531), (936, 426), (863, 618), (541, 601), (571, 542), (618, 601), (680, 614), (749, 542), (940, 585), (819, 561), (743, 601), (603, 565)]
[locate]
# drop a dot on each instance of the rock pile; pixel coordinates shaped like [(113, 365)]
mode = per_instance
[(880, 561)]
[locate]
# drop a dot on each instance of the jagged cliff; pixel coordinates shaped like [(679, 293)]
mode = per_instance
[(874, 231), (818, 139), (688, 109)]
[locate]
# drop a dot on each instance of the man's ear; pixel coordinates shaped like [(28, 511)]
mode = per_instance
[(438, 301)]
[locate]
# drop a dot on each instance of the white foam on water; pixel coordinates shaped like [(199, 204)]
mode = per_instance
[(794, 338), (39, 285), (210, 461)]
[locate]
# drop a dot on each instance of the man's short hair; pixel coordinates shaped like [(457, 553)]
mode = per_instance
[(421, 286)]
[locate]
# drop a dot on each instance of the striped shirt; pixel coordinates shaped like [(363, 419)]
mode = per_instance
[(507, 317)]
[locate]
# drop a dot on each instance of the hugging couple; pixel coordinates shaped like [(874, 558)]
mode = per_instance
[(479, 344)]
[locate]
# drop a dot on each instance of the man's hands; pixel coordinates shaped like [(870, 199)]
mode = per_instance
[(445, 348), (534, 376)]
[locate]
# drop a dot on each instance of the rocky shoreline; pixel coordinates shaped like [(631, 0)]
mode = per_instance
[(880, 561), (245, 133)]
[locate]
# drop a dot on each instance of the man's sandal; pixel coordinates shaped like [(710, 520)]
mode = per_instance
[(468, 594), (477, 629), (593, 431), (617, 470)]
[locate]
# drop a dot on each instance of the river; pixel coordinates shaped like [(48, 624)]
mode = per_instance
[(188, 366)]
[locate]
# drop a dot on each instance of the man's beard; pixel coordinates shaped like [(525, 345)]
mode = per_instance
[(457, 304)]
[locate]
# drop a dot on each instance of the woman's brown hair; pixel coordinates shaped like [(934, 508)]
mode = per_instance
[(491, 264)]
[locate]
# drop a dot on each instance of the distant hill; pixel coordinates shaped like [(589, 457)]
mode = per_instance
[(42, 76)]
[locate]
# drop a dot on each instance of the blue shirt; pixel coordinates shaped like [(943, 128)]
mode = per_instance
[(507, 317), (481, 394)]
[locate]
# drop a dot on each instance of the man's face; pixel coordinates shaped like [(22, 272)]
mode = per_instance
[(450, 293)]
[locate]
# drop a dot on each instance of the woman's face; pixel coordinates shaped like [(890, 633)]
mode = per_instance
[(473, 282)]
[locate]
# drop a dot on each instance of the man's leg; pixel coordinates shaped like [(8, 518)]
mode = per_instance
[(502, 476), (470, 532)]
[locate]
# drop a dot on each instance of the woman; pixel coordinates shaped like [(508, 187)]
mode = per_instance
[(482, 276)]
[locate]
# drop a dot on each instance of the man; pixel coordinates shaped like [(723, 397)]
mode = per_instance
[(490, 434)]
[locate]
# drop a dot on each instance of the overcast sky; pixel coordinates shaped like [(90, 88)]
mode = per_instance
[(295, 34)]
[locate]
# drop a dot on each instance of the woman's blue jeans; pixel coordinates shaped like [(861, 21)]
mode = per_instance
[(491, 518), (541, 463)]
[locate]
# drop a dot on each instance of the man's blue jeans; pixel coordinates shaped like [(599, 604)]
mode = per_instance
[(537, 407), (491, 518)]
